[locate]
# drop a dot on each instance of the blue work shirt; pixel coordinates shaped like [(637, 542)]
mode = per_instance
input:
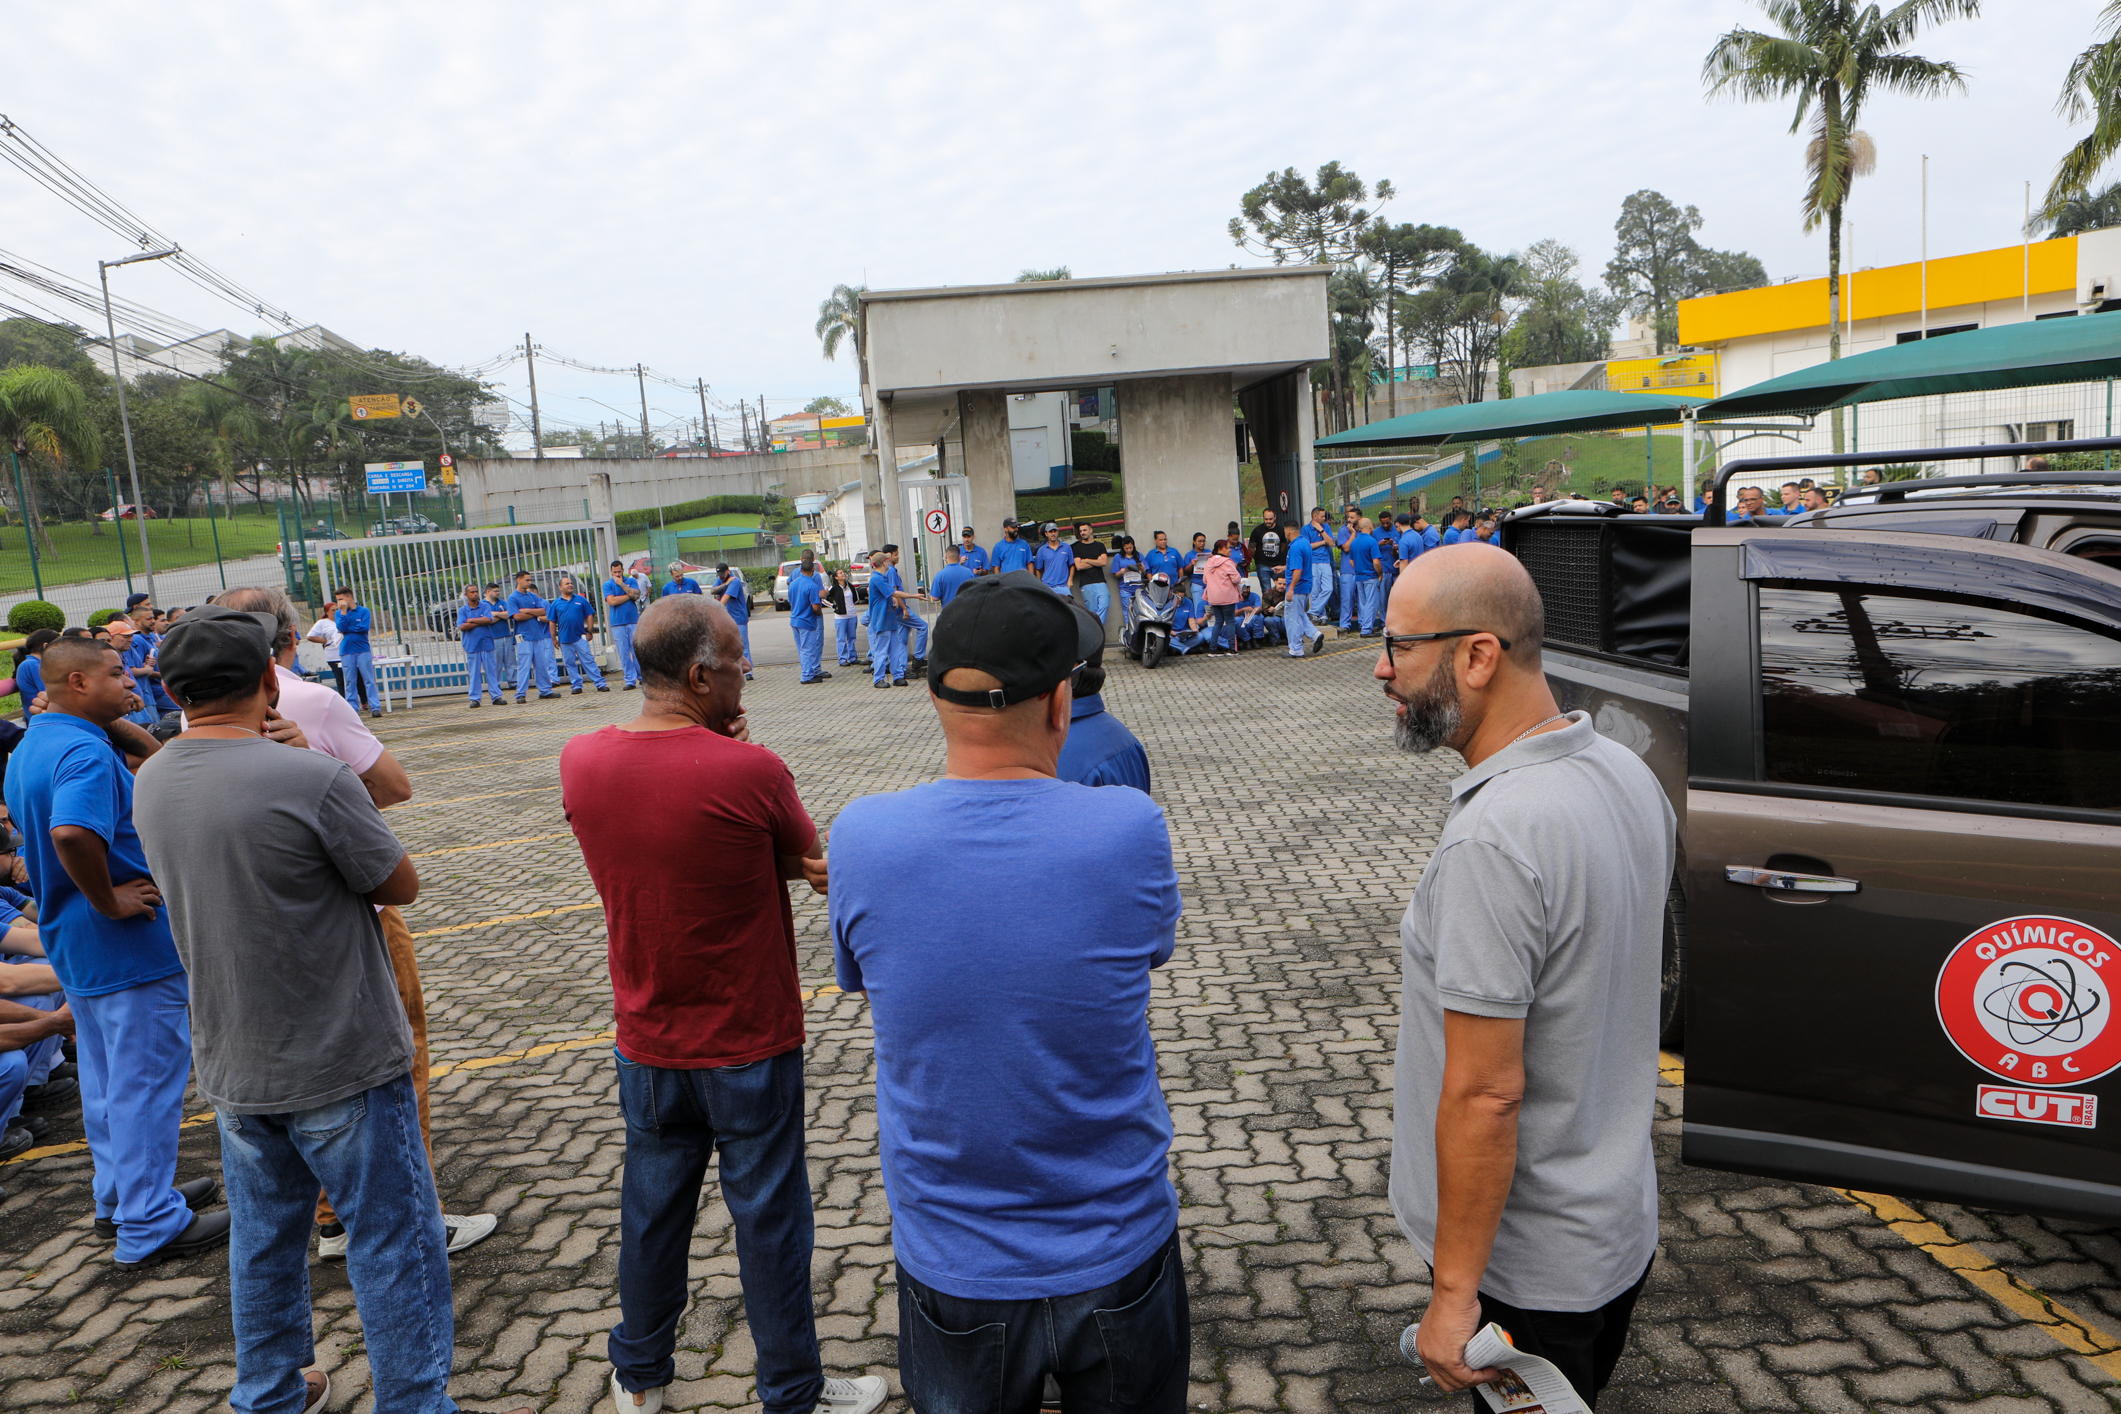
[(65, 771), (531, 630), (479, 637), (804, 592), (948, 581), (972, 557), (503, 626), (29, 678), (1100, 751), (683, 584), (1012, 555), (622, 614), (1163, 562), (884, 612), (1299, 567), (1055, 564), (572, 616), (1195, 565), (1361, 559), (353, 630), (1316, 534), (735, 596)]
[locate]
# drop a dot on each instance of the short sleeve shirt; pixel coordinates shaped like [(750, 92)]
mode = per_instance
[(1092, 550), (530, 630), (479, 637), (972, 557), (622, 614), (571, 617), (1012, 555), (1055, 564)]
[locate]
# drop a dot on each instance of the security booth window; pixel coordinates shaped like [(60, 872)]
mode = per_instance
[(1936, 695)]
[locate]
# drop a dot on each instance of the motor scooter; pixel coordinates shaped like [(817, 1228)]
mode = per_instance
[(1154, 607)]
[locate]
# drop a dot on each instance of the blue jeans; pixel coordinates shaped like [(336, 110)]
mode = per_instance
[(358, 666), (810, 649), (887, 651), (581, 652), (843, 639), (366, 1149), (1321, 590), (534, 655), (1121, 1349), (1097, 598), (479, 668), (622, 639), (751, 1116), (134, 1048)]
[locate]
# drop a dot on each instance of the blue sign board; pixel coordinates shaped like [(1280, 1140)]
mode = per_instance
[(390, 478)]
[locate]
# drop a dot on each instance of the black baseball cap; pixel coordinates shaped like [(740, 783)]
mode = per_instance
[(1015, 629), (214, 652), (136, 601), (1008, 520), (966, 531)]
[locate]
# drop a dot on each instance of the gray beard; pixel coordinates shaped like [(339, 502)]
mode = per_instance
[(1432, 717)]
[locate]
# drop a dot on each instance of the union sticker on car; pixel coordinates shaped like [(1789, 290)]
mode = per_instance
[(2030, 1000)]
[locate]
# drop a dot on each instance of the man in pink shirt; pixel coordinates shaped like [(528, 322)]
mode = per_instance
[(332, 727)]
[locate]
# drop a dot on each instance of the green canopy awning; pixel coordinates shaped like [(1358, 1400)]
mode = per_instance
[(1541, 415), (2020, 355)]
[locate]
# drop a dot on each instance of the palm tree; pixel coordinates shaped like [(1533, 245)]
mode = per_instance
[(2080, 212), (1829, 56), (838, 318), (44, 412), (229, 418), (2093, 90)]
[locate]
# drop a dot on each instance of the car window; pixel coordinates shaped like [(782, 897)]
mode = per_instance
[(1938, 696)]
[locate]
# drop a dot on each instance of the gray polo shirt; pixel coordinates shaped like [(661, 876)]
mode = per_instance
[(1545, 901)]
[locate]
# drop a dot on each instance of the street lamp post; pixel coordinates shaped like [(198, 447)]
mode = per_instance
[(132, 465)]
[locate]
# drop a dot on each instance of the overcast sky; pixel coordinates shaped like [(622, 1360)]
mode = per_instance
[(682, 183)]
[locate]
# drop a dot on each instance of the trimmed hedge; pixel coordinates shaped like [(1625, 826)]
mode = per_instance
[(629, 522), (33, 614), (103, 616)]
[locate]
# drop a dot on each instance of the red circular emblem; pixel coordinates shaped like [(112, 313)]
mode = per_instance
[(2031, 1000)]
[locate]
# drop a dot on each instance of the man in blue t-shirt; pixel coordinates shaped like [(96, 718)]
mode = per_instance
[(623, 597), (953, 576), (1054, 561), (504, 636), (970, 555), (1025, 1145), (356, 659), (532, 616), (1012, 551), (887, 619), (806, 592), (475, 620), (100, 916), (732, 593), (574, 618), (1362, 565), (681, 582)]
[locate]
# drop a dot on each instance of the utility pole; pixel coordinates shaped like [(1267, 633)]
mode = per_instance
[(641, 374), (537, 431), (707, 426), (743, 421), (765, 444)]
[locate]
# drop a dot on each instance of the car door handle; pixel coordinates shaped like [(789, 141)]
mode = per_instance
[(1783, 881)]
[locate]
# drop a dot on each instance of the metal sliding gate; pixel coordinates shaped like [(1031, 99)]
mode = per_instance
[(412, 585)]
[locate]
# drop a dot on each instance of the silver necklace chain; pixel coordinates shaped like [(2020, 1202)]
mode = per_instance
[(1557, 717)]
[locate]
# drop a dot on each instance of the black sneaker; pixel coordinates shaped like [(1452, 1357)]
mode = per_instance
[(602, 688), (37, 1125), (196, 1195), (206, 1231), (53, 1093), (521, 700), (576, 693), (474, 706), (630, 686), (824, 674), (898, 682), (543, 696), (881, 683)]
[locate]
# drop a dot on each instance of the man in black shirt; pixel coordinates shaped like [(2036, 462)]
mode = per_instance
[(1270, 547), (1091, 557)]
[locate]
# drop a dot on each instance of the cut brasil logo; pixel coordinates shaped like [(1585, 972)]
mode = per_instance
[(2030, 999)]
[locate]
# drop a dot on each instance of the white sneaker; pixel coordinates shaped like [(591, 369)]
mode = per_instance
[(860, 1395), (332, 1249), (651, 1400), (468, 1232)]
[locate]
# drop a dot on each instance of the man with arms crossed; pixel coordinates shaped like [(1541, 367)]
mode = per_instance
[(709, 1007), (623, 597), (1024, 1135), (275, 861), (1527, 1068)]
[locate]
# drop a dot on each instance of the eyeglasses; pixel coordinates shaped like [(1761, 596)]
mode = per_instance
[(1408, 639)]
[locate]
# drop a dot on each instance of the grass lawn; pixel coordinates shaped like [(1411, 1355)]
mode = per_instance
[(79, 554), (638, 540)]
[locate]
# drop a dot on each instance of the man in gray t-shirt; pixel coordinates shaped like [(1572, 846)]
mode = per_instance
[(273, 861), (1527, 1069)]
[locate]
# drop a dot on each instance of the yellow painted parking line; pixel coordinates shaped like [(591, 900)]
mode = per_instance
[(462, 799), (434, 1073), (492, 844), (507, 918), (2062, 1325)]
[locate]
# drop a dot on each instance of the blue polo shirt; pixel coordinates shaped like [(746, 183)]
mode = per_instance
[(1164, 562), (884, 612), (531, 630), (948, 580), (478, 639), (804, 592), (1055, 564), (1012, 555), (65, 771), (504, 626), (1100, 751), (572, 616), (683, 584), (1299, 567), (973, 558), (622, 614), (29, 678), (734, 597), (353, 630), (1361, 559)]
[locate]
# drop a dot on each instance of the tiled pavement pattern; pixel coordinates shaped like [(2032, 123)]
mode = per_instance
[(1298, 832)]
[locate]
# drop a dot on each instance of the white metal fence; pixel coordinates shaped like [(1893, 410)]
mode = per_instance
[(412, 585)]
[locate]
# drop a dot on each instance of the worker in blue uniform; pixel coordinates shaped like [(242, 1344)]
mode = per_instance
[(953, 576), (622, 610), (806, 591), (532, 617), (732, 593), (1012, 551), (1099, 751), (574, 618), (887, 620), (504, 637), (475, 619), (975, 560)]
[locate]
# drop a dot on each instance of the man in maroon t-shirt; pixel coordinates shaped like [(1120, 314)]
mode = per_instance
[(709, 1007)]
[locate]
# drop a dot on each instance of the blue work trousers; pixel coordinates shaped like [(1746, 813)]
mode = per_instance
[(810, 649), (1321, 590), (535, 655), (481, 674), (366, 1149), (360, 667), (843, 640), (622, 639), (918, 628), (750, 1118), (1363, 597), (504, 657), (581, 660), (32, 1065), (1297, 625), (134, 1047), (887, 650)]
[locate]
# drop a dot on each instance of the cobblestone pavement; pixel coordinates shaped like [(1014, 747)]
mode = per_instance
[(1275, 1026)]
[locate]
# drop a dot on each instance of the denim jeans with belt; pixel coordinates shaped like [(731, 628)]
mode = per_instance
[(367, 1150), (675, 1121), (1120, 1349)]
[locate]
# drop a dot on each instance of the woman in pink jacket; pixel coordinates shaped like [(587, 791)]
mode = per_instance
[(1224, 587)]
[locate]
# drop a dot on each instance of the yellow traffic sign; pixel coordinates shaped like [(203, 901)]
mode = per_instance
[(449, 475), (412, 407), (367, 407)]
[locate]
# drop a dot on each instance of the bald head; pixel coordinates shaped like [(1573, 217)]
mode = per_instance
[(1474, 586), (680, 631)]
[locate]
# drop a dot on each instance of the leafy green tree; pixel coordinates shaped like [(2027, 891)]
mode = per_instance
[(53, 345), (828, 406), (1351, 297), (230, 419), (1464, 314), (1562, 321), (1404, 258), (2094, 211), (839, 317), (173, 451), (1714, 272), (44, 415), (1829, 56), (2091, 90), (1035, 277), (1653, 247), (1287, 217)]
